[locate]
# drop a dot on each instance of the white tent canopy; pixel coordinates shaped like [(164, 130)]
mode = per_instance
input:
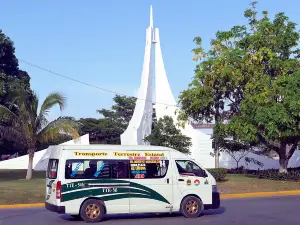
[(41, 158)]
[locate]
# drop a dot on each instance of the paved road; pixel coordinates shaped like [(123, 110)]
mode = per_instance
[(260, 211)]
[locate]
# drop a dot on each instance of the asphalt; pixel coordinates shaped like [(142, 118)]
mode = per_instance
[(256, 211)]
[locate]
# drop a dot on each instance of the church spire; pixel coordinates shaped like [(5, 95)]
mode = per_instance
[(151, 17)]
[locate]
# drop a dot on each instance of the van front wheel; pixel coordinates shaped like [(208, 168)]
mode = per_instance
[(191, 207), (92, 211)]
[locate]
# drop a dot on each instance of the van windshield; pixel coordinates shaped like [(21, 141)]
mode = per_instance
[(52, 168)]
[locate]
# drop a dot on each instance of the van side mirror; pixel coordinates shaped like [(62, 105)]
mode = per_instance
[(204, 174)]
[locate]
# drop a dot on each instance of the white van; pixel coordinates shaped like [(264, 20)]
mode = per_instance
[(93, 180)]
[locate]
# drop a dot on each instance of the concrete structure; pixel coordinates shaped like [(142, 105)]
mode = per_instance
[(40, 160), (227, 161), (140, 124)]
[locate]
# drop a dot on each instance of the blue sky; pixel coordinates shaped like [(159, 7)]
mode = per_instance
[(102, 42)]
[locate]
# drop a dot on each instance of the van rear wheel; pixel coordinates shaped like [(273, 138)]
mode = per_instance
[(92, 211), (191, 207)]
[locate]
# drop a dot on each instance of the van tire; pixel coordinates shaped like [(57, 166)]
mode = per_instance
[(191, 207), (92, 211)]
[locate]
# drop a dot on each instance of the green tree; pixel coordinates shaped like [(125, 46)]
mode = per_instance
[(236, 149), (101, 131), (31, 127), (11, 77), (166, 134), (244, 79), (114, 122), (121, 112), (270, 115), (93, 127), (11, 147)]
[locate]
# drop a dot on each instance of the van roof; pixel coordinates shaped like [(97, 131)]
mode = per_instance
[(114, 147)]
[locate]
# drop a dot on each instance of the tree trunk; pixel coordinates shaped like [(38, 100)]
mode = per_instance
[(283, 161), (217, 152), (237, 164), (286, 152), (30, 163)]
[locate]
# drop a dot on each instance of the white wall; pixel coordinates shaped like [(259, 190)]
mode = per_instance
[(226, 161), (40, 159)]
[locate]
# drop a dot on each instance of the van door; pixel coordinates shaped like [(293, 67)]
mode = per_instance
[(191, 179), (51, 181), (151, 184)]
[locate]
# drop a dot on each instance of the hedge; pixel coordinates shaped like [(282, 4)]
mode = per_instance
[(218, 173), (291, 175)]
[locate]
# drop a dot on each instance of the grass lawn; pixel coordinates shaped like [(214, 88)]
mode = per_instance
[(240, 183), (15, 189)]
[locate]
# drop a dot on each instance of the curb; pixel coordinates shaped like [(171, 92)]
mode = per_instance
[(223, 196), (19, 206), (260, 194)]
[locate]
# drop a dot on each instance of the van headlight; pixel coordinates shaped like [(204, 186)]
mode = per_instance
[(214, 188)]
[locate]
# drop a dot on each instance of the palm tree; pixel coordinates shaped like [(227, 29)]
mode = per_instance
[(31, 126)]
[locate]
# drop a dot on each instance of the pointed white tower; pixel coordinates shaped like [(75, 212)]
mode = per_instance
[(140, 124)]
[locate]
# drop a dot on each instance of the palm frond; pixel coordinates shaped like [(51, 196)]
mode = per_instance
[(54, 98), (57, 127), (32, 114)]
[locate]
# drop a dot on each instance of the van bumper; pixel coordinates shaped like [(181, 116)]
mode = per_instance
[(215, 201), (55, 208)]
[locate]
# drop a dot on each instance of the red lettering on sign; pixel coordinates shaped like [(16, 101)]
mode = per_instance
[(140, 158), (138, 176), (155, 158)]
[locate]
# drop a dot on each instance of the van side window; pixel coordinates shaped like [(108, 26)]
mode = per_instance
[(189, 168), (96, 169), (120, 169), (52, 168), (148, 169)]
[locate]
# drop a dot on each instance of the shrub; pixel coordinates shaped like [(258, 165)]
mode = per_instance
[(218, 173), (239, 170), (242, 170), (292, 175)]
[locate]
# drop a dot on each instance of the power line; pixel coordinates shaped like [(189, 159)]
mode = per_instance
[(90, 85)]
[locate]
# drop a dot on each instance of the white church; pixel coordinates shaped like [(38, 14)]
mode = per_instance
[(140, 125)]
